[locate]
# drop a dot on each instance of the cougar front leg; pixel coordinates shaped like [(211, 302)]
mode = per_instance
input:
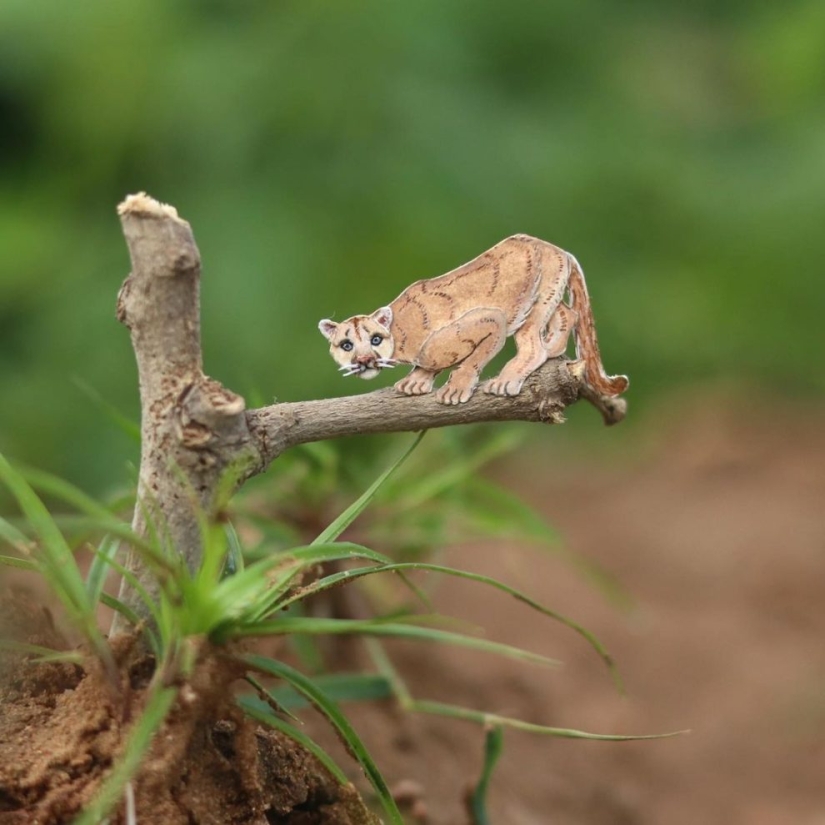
[(470, 342)]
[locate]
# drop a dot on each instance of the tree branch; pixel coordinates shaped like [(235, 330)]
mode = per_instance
[(194, 431), (545, 395)]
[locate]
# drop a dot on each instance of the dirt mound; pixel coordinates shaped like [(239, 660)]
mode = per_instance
[(62, 728)]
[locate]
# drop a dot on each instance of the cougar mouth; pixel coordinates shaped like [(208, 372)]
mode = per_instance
[(367, 370)]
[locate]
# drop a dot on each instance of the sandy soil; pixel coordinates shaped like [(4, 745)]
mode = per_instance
[(718, 533), (62, 728)]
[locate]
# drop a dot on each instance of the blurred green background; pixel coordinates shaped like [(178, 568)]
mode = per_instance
[(329, 153)]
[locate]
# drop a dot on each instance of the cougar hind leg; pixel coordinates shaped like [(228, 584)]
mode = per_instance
[(541, 333), (558, 331), (530, 355)]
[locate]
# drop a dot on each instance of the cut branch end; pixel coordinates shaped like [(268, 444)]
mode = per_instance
[(146, 206)]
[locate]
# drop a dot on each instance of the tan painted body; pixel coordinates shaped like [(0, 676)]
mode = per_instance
[(461, 320)]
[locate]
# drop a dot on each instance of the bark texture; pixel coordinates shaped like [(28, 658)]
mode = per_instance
[(198, 440)]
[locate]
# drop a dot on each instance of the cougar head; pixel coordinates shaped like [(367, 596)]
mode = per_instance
[(361, 345)]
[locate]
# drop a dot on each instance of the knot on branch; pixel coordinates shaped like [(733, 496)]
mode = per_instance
[(207, 412), (550, 411), (184, 262)]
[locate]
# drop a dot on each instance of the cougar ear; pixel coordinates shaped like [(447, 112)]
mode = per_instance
[(382, 316), (327, 328)]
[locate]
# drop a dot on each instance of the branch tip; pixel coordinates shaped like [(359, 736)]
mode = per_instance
[(146, 206)]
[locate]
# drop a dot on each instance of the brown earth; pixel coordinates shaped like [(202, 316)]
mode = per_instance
[(62, 729), (717, 532)]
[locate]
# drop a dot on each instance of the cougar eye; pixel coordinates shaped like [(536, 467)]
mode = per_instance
[(346, 345), (376, 340)]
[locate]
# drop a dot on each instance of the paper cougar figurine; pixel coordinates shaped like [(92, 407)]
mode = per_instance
[(461, 320)]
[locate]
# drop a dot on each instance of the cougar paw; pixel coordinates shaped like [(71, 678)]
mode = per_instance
[(451, 394), (414, 385), (503, 386)]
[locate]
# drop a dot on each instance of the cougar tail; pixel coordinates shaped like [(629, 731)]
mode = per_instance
[(587, 345)]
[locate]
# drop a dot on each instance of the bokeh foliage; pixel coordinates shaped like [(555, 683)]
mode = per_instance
[(329, 153)]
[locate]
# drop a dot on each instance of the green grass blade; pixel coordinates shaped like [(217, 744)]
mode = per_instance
[(340, 687), (57, 561), (343, 576), (308, 652), (15, 538), (493, 746), (321, 552), (386, 669), (500, 512), (213, 555), (277, 571), (587, 635), (439, 480), (135, 620), (357, 507), (118, 606), (100, 567), (42, 654), (130, 615), (261, 693), (234, 556), (342, 726), (137, 587), (64, 491), (100, 517), (349, 575), (328, 582), (316, 626), (258, 709), (487, 719), (149, 551), (258, 590), (140, 738), (21, 564), (357, 551)]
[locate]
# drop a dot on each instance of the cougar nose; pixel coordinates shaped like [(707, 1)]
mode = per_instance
[(365, 359)]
